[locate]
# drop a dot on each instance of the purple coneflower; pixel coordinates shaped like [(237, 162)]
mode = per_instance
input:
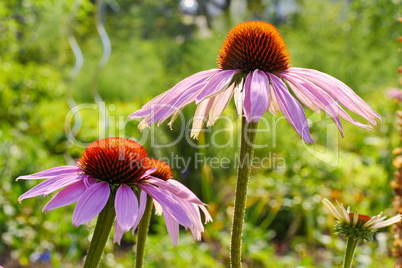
[(254, 67), (120, 168)]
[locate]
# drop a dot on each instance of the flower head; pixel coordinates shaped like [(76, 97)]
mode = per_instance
[(356, 225), (120, 169), (254, 67), (254, 45)]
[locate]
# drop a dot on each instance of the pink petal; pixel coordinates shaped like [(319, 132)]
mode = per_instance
[(63, 182), (142, 206), (324, 101), (176, 188), (172, 226), (169, 204), (317, 96), (290, 108), (91, 203), (158, 208), (43, 187), (89, 181), (173, 93), (46, 174), (67, 196), (340, 92), (218, 82), (321, 94), (161, 111), (126, 206), (173, 118), (200, 116), (184, 99), (305, 97), (221, 101), (207, 216), (256, 99), (239, 98), (118, 233), (273, 107), (194, 213)]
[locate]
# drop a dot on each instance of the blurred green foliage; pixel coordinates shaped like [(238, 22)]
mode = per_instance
[(154, 46)]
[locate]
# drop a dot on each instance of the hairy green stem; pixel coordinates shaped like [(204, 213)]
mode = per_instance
[(350, 252), (101, 234), (246, 154), (143, 233)]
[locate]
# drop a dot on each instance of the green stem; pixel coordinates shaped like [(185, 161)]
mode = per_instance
[(101, 234), (143, 232), (350, 252), (245, 162)]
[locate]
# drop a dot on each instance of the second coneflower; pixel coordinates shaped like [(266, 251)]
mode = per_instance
[(115, 179), (254, 66)]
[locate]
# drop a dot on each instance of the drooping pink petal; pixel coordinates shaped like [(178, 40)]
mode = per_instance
[(256, 98), (340, 92), (126, 206), (208, 217), (141, 209), (118, 233), (49, 173), (91, 203), (158, 208), (239, 98), (159, 112), (305, 98), (318, 97), (337, 108), (176, 188), (324, 101), (172, 227), (220, 103), (273, 107), (218, 82), (42, 188), (184, 99), (194, 213), (67, 196), (170, 205), (89, 181), (63, 182), (290, 108), (173, 118), (200, 116), (173, 93)]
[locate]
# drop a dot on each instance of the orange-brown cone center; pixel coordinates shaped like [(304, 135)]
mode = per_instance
[(361, 218), (114, 160), (163, 170), (254, 45)]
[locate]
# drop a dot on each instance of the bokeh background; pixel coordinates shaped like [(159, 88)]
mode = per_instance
[(52, 58)]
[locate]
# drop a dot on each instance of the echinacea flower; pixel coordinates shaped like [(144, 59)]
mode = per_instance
[(356, 225), (254, 66), (120, 168)]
